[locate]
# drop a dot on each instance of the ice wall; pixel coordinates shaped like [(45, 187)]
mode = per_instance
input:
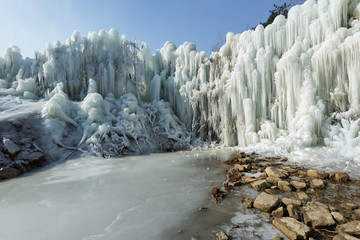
[(295, 82)]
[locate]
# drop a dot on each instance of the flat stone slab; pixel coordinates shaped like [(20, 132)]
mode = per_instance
[(298, 185), (292, 228), (352, 227), (260, 185), (343, 236), (289, 201), (317, 174), (266, 202), (301, 196), (276, 172), (317, 216)]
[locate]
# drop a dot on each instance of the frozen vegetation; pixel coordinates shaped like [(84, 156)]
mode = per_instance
[(294, 84)]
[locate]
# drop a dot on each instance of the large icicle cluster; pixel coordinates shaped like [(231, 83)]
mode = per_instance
[(295, 82)]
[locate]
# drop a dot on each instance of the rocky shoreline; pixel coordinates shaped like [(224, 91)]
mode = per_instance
[(302, 203)]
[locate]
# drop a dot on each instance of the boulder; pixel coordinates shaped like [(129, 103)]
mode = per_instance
[(10, 148), (289, 201), (266, 202), (317, 183), (260, 185), (317, 216), (222, 236), (317, 174), (292, 228), (293, 212), (284, 186), (338, 217), (273, 180), (344, 236), (352, 227), (298, 185), (8, 172), (349, 206), (301, 196), (276, 172), (280, 212), (339, 177)]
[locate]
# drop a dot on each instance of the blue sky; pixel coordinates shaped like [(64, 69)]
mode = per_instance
[(30, 24)]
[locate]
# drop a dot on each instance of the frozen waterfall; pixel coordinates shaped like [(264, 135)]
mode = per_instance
[(294, 83)]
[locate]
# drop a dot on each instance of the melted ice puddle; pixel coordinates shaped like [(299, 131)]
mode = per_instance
[(135, 197)]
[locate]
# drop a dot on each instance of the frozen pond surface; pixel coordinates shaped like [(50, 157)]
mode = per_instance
[(134, 197)]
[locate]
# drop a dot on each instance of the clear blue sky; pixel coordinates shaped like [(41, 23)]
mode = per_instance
[(30, 24)]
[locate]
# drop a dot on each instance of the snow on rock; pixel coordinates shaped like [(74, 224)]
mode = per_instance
[(294, 84)]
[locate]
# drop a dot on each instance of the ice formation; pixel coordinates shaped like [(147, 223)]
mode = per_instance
[(295, 83)]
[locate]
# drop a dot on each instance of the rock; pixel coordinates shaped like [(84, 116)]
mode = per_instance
[(222, 236), (339, 177), (242, 168), (293, 212), (273, 180), (349, 206), (248, 179), (288, 201), (317, 183), (335, 187), (357, 212), (248, 203), (280, 212), (343, 236), (22, 166), (10, 148), (292, 228), (8, 172), (276, 172), (263, 175), (338, 217), (317, 174), (278, 238), (234, 184), (266, 202), (352, 227), (301, 196), (289, 169), (284, 186), (260, 185), (317, 216), (298, 185), (35, 159)]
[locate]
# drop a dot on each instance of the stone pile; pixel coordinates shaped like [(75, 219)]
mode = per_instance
[(19, 158), (302, 203)]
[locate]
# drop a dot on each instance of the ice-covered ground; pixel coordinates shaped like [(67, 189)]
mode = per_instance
[(134, 197)]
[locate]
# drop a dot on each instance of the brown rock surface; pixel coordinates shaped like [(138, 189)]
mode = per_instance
[(284, 186), (289, 201), (260, 185), (276, 172), (352, 227), (266, 202), (343, 236), (317, 216), (339, 177), (292, 228), (298, 185), (317, 174)]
